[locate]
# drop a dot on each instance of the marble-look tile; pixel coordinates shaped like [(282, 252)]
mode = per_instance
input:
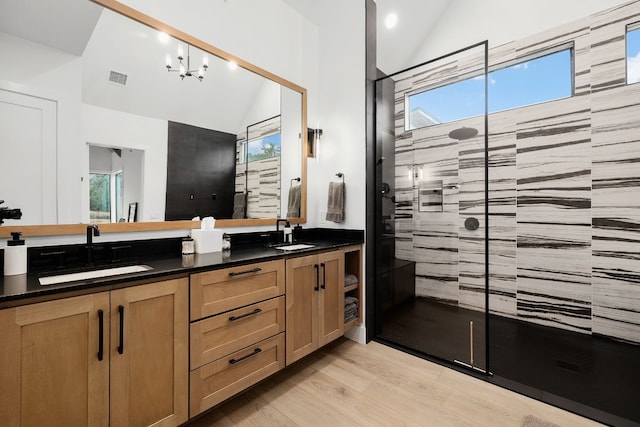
[(472, 204), (502, 214), (616, 213), (607, 38), (435, 247), (553, 214)]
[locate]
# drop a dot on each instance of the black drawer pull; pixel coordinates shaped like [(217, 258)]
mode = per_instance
[(240, 359), (324, 276), (242, 316), (121, 342), (315, 266), (100, 335), (240, 273)]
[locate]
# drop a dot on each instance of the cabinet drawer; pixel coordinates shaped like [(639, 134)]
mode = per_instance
[(219, 380), (217, 291), (226, 333)]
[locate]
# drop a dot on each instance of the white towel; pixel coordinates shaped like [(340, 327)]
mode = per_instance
[(335, 202)]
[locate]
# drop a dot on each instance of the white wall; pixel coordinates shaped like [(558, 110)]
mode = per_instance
[(466, 22), (55, 75), (109, 128), (340, 113)]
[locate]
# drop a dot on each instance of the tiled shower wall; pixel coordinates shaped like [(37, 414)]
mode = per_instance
[(564, 193), (260, 178)]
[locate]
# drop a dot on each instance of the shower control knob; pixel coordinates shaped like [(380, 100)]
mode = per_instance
[(471, 223)]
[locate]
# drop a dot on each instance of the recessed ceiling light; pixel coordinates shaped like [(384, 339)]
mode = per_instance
[(391, 20), (163, 37), (232, 65)]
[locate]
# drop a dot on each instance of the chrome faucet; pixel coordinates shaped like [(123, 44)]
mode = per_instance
[(92, 230), (286, 224)]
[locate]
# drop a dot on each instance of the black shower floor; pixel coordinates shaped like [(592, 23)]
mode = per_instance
[(552, 364)]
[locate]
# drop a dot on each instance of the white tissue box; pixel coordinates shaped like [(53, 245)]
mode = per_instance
[(207, 240)]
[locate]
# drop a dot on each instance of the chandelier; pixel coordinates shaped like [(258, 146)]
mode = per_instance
[(185, 70)]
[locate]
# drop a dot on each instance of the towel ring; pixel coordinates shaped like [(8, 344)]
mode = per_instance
[(294, 179), (340, 175)]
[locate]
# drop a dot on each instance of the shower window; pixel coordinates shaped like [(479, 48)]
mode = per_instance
[(262, 148), (512, 85), (633, 53)]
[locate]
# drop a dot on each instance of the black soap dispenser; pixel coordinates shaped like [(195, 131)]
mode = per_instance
[(15, 255)]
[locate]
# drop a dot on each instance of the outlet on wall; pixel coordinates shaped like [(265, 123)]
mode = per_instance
[(323, 217)]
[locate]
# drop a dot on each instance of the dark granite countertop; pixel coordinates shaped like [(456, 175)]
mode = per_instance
[(26, 288)]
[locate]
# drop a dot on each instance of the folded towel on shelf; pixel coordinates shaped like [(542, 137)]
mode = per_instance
[(350, 279), (335, 202), (239, 205), (350, 307), (350, 314), (348, 299), (293, 207)]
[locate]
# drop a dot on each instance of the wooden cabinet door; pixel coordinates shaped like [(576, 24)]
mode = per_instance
[(149, 348), (331, 301), (50, 372), (302, 277)]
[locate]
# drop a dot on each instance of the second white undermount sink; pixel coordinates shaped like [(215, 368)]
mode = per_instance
[(295, 247), (93, 274)]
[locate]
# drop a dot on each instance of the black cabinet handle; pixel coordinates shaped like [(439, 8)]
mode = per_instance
[(242, 316), (240, 359), (324, 276), (239, 273), (317, 276), (100, 335), (121, 342)]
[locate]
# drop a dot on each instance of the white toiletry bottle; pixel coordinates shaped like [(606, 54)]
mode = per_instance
[(15, 256)]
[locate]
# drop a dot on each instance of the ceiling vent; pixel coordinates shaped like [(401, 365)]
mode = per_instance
[(117, 78)]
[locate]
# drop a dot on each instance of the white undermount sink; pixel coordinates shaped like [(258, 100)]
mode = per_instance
[(295, 247), (93, 274)]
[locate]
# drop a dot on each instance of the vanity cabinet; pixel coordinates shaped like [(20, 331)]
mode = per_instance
[(111, 358), (237, 330), (315, 302)]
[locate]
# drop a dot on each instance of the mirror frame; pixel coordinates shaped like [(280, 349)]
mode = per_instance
[(66, 229)]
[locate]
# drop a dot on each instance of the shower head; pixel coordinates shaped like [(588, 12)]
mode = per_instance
[(463, 133)]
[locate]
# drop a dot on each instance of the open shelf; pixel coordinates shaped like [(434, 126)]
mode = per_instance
[(351, 287), (353, 265)]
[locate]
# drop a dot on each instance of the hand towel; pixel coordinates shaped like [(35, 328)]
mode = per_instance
[(293, 207), (239, 205), (335, 202)]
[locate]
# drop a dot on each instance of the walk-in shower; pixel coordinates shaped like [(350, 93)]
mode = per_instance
[(505, 242)]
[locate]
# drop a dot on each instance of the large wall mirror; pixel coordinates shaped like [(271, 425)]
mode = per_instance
[(100, 115)]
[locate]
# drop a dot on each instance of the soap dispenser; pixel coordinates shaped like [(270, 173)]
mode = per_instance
[(15, 255), (287, 233)]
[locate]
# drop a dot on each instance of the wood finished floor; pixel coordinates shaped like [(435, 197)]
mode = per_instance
[(350, 384)]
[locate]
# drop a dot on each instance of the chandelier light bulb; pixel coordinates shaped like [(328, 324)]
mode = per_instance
[(183, 71), (168, 61), (232, 65), (205, 61), (180, 52)]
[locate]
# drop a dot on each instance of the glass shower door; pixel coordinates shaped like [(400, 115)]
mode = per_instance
[(431, 249)]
